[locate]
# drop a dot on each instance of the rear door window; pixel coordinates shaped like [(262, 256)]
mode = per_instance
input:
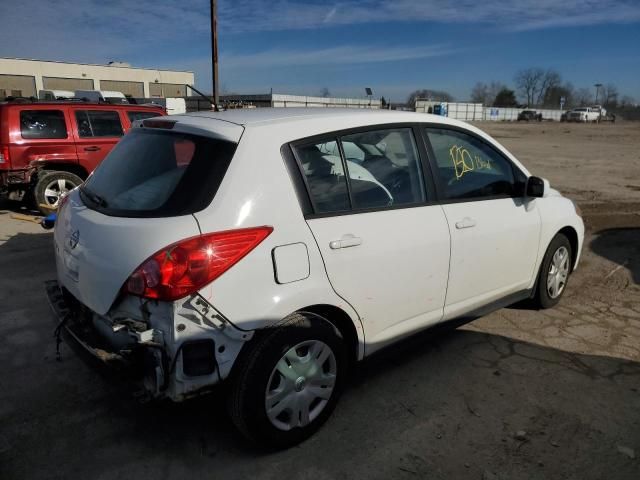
[(158, 173), (42, 124), (98, 123)]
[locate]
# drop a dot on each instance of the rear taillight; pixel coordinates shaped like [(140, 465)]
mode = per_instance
[(5, 161), (185, 267)]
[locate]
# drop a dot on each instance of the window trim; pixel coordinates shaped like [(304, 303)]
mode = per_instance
[(428, 182), (440, 188)]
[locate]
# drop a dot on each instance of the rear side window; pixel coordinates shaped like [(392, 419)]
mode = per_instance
[(133, 116), (327, 182), (98, 123), (158, 173), (42, 124)]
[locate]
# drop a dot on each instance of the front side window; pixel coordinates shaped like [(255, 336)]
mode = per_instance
[(42, 124), (98, 123), (469, 168)]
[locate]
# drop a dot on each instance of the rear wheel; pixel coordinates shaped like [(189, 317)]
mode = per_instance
[(51, 186), (554, 272), (288, 383)]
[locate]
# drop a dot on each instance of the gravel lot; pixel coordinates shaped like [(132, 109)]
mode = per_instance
[(516, 394)]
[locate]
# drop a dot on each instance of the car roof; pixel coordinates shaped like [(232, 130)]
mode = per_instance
[(78, 104), (255, 116)]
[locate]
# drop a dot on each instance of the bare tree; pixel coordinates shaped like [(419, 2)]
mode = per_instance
[(528, 83), (627, 101), (480, 93), (486, 94), (550, 80), (583, 96), (609, 95)]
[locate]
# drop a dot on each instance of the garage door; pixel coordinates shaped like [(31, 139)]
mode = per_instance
[(167, 90), (130, 89), (17, 86), (56, 83)]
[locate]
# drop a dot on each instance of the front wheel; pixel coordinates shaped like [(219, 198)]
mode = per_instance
[(554, 272), (288, 383), (51, 186)]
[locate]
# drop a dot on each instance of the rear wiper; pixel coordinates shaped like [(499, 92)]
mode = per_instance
[(95, 198)]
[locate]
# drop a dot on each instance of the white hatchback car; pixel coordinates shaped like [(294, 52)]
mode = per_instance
[(272, 248)]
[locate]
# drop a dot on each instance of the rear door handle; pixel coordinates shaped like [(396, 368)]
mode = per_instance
[(91, 149), (466, 222), (345, 242)]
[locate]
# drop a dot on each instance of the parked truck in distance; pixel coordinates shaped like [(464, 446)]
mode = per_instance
[(594, 114)]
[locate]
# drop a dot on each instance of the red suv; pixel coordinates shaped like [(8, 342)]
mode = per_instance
[(47, 149)]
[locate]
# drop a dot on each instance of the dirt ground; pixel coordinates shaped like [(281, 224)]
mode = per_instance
[(518, 394)]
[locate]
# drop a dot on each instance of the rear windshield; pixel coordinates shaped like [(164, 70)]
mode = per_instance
[(153, 173)]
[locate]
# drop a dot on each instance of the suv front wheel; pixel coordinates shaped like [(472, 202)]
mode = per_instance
[(288, 382), (51, 186)]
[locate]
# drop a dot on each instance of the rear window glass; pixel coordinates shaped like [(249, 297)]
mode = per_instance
[(133, 116), (42, 124), (158, 173), (98, 123)]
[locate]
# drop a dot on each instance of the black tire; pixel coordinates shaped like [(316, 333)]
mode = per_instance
[(252, 376), (46, 203), (542, 297)]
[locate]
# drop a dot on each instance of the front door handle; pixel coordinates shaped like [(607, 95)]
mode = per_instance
[(91, 149), (346, 241), (466, 222)]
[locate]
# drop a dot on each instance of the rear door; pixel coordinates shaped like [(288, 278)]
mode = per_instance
[(385, 246), (495, 230), (97, 131)]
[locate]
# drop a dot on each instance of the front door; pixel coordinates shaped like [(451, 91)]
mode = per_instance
[(494, 229), (386, 250)]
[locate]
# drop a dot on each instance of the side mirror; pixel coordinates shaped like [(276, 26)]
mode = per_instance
[(535, 187)]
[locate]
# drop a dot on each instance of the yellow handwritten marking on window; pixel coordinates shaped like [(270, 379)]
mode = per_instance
[(463, 162)]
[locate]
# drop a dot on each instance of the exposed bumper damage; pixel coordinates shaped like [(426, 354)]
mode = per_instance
[(175, 349)]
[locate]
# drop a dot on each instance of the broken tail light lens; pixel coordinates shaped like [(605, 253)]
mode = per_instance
[(185, 267)]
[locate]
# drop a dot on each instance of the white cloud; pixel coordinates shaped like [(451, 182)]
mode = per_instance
[(346, 54), (260, 15)]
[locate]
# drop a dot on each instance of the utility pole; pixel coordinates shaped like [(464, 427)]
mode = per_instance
[(214, 52), (597, 85)]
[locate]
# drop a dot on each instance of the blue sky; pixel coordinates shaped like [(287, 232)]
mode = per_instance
[(300, 47)]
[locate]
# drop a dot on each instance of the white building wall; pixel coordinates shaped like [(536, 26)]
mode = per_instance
[(41, 68), (476, 111), (280, 100)]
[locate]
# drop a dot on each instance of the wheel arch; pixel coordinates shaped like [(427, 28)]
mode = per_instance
[(572, 236), (343, 322), (69, 167)]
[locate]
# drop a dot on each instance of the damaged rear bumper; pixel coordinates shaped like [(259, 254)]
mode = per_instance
[(174, 350)]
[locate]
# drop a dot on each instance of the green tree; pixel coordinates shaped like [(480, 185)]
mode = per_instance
[(505, 98)]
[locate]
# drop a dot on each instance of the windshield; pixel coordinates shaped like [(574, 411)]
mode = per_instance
[(154, 173)]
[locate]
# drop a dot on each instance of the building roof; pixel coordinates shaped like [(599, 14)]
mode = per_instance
[(95, 64)]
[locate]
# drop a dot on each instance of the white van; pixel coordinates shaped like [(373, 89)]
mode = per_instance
[(55, 94), (109, 96)]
